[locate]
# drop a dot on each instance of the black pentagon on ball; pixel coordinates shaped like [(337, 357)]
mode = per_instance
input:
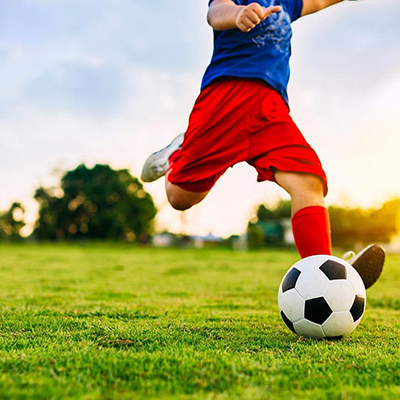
[(287, 322), (333, 270), (317, 310), (357, 308), (290, 279)]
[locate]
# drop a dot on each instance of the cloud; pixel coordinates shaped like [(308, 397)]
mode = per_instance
[(79, 56), (348, 48), (3, 54), (37, 138), (78, 88)]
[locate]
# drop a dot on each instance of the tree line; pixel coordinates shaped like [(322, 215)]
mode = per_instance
[(97, 203), (101, 203), (349, 226)]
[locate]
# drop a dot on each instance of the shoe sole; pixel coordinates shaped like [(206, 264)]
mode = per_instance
[(370, 264), (148, 174)]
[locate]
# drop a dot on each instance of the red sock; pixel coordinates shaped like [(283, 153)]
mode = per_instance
[(312, 231)]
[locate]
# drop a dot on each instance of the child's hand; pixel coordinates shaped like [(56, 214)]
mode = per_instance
[(251, 15)]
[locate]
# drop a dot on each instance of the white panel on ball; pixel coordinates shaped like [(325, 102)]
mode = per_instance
[(339, 324), (309, 329), (340, 295), (311, 262), (312, 283), (292, 304)]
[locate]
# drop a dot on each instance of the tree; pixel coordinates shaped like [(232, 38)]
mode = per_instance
[(268, 228), (357, 225), (349, 226), (97, 203), (280, 211), (11, 223)]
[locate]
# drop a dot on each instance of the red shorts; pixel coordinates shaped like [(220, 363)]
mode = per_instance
[(236, 120)]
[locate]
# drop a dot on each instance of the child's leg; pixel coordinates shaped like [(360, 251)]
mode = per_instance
[(311, 227), (181, 199), (310, 218)]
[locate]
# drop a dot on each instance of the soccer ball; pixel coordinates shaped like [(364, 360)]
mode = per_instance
[(322, 297)]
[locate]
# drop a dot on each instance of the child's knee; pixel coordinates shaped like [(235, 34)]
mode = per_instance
[(295, 183), (181, 199), (178, 202), (313, 185)]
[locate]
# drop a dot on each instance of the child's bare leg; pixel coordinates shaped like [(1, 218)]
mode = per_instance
[(310, 218), (305, 190), (311, 228), (181, 199)]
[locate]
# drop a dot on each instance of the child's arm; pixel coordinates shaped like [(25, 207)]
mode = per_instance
[(225, 14), (312, 6)]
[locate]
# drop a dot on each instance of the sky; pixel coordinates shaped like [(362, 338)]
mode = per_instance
[(110, 81)]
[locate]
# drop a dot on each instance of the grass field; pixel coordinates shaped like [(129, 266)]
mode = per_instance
[(102, 322)]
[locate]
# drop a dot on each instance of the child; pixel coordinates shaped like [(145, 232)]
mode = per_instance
[(242, 114)]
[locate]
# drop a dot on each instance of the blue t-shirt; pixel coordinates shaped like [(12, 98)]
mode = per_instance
[(262, 53)]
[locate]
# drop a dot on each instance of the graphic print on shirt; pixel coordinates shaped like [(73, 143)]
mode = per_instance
[(275, 29)]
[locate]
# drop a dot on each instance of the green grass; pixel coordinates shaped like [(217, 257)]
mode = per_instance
[(102, 321)]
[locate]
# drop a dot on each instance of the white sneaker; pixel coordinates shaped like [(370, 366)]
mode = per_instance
[(157, 164), (368, 263)]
